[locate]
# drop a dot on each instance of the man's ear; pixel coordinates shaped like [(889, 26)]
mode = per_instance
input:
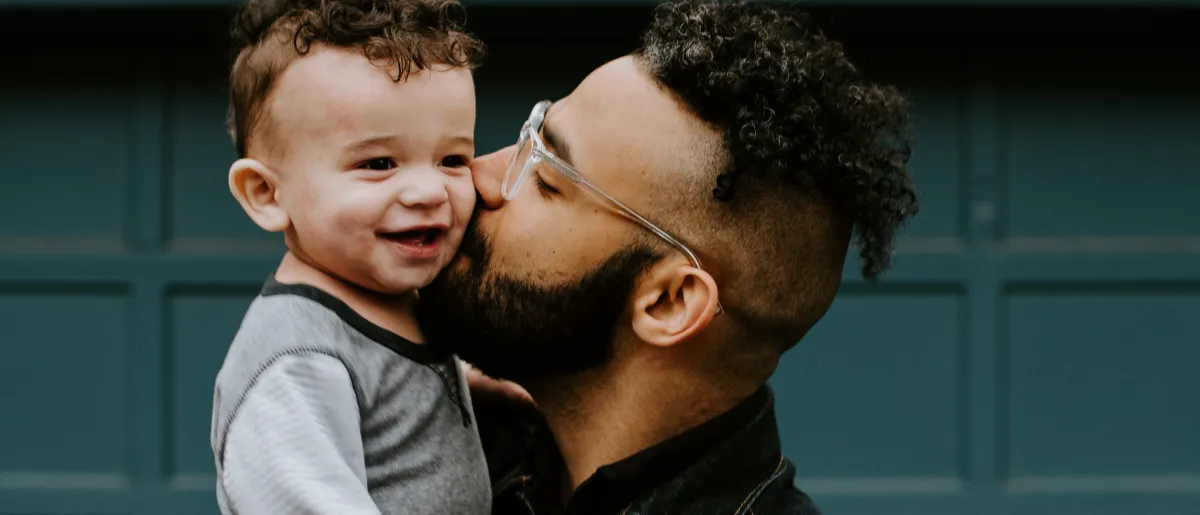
[(673, 303), (255, 186)]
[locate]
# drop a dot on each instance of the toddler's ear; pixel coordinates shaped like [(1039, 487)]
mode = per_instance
[(255, 188)]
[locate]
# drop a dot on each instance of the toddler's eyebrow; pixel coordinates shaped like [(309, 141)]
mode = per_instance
[(463, 139), (370, 142)]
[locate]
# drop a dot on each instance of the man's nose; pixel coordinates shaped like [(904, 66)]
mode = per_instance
[(488, 172), (427, 191)]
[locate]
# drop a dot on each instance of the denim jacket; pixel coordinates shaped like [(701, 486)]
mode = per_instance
[(729, 465)]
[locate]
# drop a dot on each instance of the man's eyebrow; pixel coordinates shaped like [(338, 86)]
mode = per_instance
[(554, 140)]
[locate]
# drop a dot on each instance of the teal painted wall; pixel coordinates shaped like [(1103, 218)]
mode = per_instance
[(1033, 352)]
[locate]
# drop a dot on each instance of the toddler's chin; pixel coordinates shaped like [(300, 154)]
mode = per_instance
[(410, 281)]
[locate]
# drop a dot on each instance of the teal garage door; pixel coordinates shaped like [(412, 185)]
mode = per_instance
[(1033, 352)]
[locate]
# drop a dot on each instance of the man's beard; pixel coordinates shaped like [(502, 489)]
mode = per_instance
[(517, 329)]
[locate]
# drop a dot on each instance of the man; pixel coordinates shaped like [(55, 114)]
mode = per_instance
[(650, 247)]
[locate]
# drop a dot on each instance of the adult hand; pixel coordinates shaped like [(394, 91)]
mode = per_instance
[(483, 386)]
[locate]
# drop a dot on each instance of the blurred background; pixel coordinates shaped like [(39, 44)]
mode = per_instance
[(1035, 350)]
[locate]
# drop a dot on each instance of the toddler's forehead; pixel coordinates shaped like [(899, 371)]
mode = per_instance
[(339, 93)]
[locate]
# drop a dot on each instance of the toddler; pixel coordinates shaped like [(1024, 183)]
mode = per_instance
[(354, 122)]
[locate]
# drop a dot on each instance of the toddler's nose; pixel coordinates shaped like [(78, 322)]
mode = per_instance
[(427, 191)]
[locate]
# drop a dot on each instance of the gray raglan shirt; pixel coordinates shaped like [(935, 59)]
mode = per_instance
[(318, 411)]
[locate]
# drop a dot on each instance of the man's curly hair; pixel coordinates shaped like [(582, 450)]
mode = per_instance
[(404, 35), (795, 112)]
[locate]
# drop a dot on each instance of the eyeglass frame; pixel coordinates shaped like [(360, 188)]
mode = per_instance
[(539, 153)]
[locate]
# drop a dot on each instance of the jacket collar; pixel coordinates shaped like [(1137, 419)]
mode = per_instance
[(719, 462)]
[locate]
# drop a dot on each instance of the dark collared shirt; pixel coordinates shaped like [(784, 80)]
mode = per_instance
[(730, 464)]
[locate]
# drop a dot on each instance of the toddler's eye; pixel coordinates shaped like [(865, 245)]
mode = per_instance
[(379, 163), (454, 161)]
